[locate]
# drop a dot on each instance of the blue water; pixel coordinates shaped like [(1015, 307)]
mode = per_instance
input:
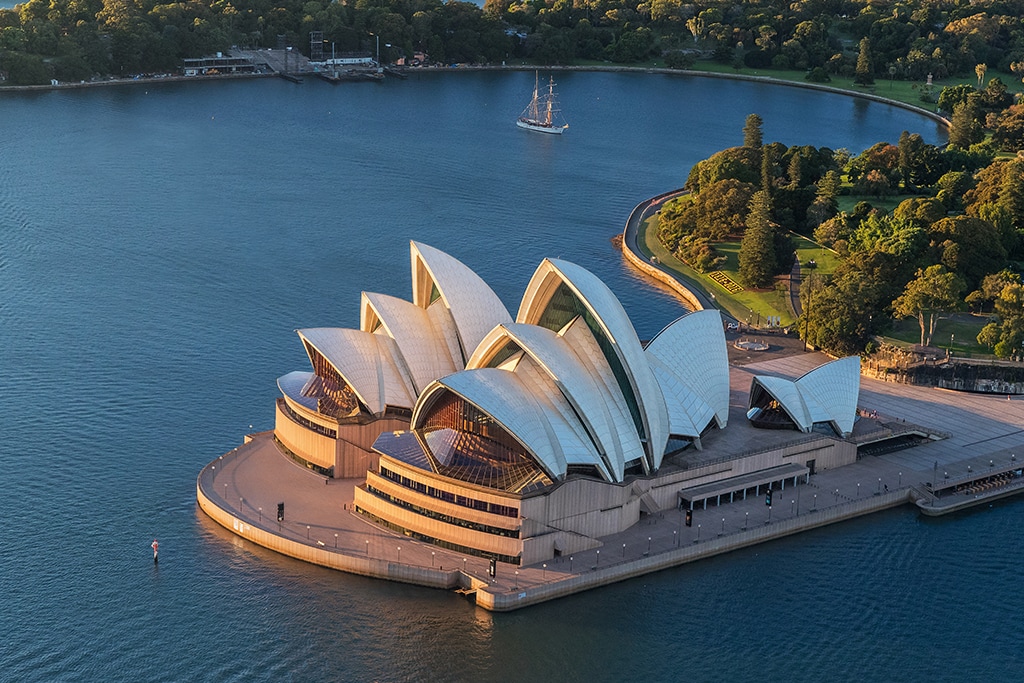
[(159, 245)]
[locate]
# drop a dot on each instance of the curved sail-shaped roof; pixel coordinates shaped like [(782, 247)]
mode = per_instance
[(558, 292), (831, 391), (827, 394), (367, 364), (423, 346), (690, 360), (473, 305), (576, 382), (503, 398)]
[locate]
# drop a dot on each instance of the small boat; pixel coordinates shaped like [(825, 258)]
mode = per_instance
[(542, 112)]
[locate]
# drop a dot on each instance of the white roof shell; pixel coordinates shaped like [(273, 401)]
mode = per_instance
[(691, 363), (615, 324), (828, 393), (474, 307), (501, 395), (425, 351), (578, 384), (366, 362)]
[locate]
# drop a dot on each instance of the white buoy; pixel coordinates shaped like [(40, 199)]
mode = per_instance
[(156, 547)]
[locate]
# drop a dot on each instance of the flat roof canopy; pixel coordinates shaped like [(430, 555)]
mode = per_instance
[(744, 481)]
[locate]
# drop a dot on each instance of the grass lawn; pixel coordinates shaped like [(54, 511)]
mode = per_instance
[(749, 305), (752, 305), (964, 327), (887, 204), (825, 260), (902, 91)]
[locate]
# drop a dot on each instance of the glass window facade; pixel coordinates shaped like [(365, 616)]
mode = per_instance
[(465, 550), (333, 394), (560, 309), (448, 496), (441, 517), (308, 424), (465, 443), (504, 353)]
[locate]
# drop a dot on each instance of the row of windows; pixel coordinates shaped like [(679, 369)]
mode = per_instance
[(448, 496), (448, 519), (465, 550), (324, 471), (308, 424)]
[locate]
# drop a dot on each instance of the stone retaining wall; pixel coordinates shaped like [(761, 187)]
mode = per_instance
[(502, 602)]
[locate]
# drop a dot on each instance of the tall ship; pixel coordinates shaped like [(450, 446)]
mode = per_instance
[(542, 113)]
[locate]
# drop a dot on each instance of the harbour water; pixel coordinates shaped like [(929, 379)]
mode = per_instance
[(158, 246)]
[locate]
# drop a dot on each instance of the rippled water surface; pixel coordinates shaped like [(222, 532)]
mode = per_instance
[(159, 245)]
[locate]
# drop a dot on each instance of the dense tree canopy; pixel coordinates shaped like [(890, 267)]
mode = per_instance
[(851, 38)]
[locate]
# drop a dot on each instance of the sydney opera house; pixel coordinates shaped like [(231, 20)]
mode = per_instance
[(520, 439)]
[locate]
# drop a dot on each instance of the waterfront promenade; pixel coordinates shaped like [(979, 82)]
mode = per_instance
[(241, 491)]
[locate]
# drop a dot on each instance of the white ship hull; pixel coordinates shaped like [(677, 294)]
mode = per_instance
[(540, 127)]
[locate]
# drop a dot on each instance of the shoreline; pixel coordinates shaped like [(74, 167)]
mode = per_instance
[(938, 118)]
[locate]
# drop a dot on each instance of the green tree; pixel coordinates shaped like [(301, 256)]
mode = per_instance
[(968, 246), (752, 131), (964, 128), (737, 163), (1005, 335), (935, 290), (721, 209), (864, 72), (838, 315), (991, 287), (998, 197), (757, 248), (954, 95)]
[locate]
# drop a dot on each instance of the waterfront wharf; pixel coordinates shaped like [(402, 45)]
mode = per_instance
[(241, 490)]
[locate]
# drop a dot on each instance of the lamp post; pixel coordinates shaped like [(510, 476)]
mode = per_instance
[(431, 558), (335, 540), (623, 549), (517, 579), (367, 547), (545, 574), (570, 564), (723, 527), (307, 532), (900, 484), (261, 514), (648, 545), (378, 46), (746, 520), (698, 534), (675, 538), (879, 486), (399, 554), (597, 562)]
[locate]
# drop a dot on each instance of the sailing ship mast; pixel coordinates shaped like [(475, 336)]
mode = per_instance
[(532, 117)]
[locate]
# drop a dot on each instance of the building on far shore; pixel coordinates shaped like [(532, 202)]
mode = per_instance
[(221, 63), (525, 439)]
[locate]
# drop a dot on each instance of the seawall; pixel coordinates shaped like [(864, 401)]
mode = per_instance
[(593, 577)]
